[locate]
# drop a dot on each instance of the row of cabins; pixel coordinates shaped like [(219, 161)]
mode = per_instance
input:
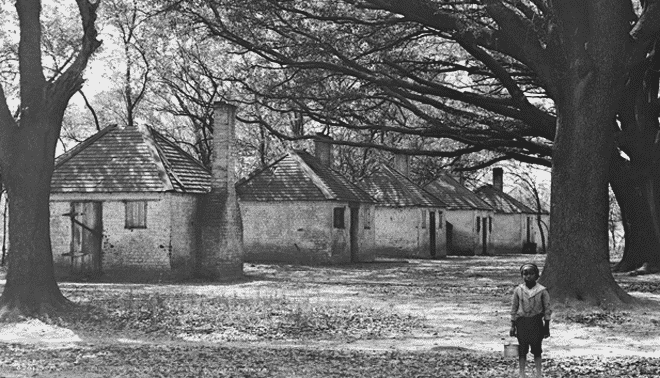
[(130, 202)]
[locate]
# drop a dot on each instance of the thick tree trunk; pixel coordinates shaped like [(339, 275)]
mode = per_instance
[(27, 156), (31, 287), (640, 217), (577, 266), (592, 36)]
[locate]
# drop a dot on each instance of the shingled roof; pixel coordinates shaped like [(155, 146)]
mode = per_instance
[(455, 195), (128, 159), (390, 187), (299, 176), (502, 202)]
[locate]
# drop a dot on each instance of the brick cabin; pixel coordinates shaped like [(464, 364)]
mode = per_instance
[(299, 210), (468, 218), (409, 221), (129, 203), (515, 228)]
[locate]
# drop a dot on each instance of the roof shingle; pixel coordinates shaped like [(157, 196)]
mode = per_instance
[(502, 202), (455, 195), (128, 159), (391, 188), (299, 176)]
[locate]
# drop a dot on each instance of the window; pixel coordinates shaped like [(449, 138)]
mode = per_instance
[(478, 224), (338, 217), (367, 217), (490, 224), (440, 220), (423, 218), (136, 214)]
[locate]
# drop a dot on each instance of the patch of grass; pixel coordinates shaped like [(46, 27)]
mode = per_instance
[(230, 318)]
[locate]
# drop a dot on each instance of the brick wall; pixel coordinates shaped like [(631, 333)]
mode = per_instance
[(399, 232), (294, 232), (466, 240), (162, 249), (509, 233)]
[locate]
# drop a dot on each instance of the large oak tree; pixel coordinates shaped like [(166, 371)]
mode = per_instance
[(569, 82), (27, 153)]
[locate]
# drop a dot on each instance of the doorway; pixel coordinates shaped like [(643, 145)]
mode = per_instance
[(355, 222), (450, 238), (484, 236), (432, 233), (86, 237)]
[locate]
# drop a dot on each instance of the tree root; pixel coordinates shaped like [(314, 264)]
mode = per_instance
[(16, 310), (644, 270)]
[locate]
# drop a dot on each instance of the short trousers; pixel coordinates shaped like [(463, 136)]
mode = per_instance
[(530, 335)]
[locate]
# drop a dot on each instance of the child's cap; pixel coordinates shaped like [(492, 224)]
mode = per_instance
[(529, 265)]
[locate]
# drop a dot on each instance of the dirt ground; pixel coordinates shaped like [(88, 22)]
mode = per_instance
[(462, 303)]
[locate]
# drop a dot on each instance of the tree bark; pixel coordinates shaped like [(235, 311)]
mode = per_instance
[(31, 288), (27, 155), (577, 266), (640, 214)]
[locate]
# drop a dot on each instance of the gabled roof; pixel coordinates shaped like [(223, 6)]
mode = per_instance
[(299, 176), (502, 202), (391, 188), (128, 159), (455, 195)]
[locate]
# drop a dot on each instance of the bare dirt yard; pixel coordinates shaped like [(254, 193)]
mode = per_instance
[(414, 318)]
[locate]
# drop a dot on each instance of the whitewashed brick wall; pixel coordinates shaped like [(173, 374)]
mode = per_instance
[(466, 240), (168, 241), (399, 232), (296, 232)]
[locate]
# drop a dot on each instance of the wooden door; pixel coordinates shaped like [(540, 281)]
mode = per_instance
[(449, 229), (484, 236), (432, 233), (353, 233), (86, 235)]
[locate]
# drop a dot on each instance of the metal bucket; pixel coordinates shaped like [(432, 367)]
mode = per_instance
[(510, 350)]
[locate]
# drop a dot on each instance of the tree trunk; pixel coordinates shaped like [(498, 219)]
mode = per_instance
[(31, 287), (638, 211), (577, 266)]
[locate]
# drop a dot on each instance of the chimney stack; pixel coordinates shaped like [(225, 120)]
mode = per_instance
[(498, 178), (401, 164), (221, 229), (323, 149)]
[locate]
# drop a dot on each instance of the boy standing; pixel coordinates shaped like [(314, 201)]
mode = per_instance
[(529, 310)]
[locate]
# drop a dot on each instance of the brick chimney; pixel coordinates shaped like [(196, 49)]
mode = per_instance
[(220, 254), (401, 164), (498, 178), (323, 149)]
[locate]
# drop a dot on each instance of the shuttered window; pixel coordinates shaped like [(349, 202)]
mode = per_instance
[(338, 217), (367, 217), (136, 214)]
